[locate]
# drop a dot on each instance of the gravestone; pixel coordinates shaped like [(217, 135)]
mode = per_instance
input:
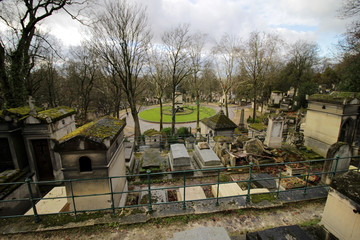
[(268, 183), (191, 193), (242, 114), (157, 196), (274, 132), (227, 190), (151, 158), (344, 151), (206, 157), (286, 232), (179, 158)]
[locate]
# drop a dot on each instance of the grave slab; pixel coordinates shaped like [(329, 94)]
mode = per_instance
[(51, 205), (206, 158), (157, 196), (227, 190), (191, 193), (202, 233), (271, 184), (151, 158), (287, 232)]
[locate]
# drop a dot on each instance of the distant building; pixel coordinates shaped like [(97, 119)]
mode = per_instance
[(219, 124), (95, 150), (27, 137), (331, 118)]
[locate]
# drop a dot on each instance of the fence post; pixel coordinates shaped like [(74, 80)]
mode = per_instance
[(184, 203), (31, 198), (112, 197), (149, 189), (218, 188), (280, 176), (249, 182), (336, 164), (307, 178), (73, 198)]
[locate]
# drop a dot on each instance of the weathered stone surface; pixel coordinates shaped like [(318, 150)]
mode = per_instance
[(254, 146), (203, 145), (203, 233), (295, 139), (287, 232), (191, 193), (151, 158), (348, 184), (227, 190), (207, 158), (271, 184)]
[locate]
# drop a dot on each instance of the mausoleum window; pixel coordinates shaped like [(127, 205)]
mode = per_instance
[(85, 164)]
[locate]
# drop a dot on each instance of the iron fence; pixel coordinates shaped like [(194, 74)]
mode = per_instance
[(183, 178)]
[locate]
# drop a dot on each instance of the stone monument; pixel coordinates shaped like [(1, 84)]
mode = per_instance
[(274, 132)]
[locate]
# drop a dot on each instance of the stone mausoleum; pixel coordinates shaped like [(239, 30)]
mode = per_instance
[(219, 124), (332, 118), (28, 136), (95, 150)]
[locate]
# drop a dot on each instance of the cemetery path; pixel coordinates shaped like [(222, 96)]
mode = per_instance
[(236, 223), (129, 129)]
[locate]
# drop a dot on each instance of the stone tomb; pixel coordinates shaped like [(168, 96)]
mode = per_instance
[(191, 193), (206, 157), (179, 158), (233, 189)]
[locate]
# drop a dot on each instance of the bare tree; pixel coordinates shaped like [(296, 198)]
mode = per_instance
[(256, 60), (176, 43), (198, 62), (226, 54), (158, 76), (83, 72), (21, 17), (121, 37)]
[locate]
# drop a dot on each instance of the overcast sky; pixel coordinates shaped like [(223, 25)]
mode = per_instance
[(313, 20)]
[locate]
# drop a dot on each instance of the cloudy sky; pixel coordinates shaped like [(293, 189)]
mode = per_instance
[(313, 20)]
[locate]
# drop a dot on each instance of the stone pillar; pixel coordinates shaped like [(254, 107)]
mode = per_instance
[(274, 132), (241, 125)]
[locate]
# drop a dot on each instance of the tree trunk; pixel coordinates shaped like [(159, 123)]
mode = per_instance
[(226, 106), (254, 110), (135, 116), (161, 114), (198, 110), (173, 113)]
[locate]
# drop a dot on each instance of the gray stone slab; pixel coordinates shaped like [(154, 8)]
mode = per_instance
[(270, 184), (157, 196), (207, 156), (203, 233), (280, 233), (151, 158), (178, 156)]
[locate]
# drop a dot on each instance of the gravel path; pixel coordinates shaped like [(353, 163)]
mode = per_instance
[(236, 223)]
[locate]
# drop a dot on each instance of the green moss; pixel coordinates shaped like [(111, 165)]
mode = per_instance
[(257, 126), (106, 127), (335, 97), (310, 223), (151, 132), (263, 197), (19, 111), (55, 114)]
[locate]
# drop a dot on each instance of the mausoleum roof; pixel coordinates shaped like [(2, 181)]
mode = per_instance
[(219, 121), (104, 128), (335, 97), (55, 114)]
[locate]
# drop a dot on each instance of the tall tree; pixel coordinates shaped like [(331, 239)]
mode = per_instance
[(121, 37), (158, 76), (197, 66), (176, 43), (21, 17), (256, 60), (300, 67), (226, 53)]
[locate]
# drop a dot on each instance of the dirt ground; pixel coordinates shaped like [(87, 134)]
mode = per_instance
[(236, 223)]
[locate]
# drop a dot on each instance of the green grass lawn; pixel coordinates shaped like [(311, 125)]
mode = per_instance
[(153, 115)]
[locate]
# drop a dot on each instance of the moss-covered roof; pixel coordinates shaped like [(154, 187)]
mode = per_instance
[(106, 127), (335, 97), (55, 114), (47, 116), (219, 121)]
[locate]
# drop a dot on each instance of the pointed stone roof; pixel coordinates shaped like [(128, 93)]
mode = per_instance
[(219, 122)]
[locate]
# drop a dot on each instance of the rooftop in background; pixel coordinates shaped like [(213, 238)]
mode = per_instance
[(45, 116), (97, 131), (335, 97), (219, 121)]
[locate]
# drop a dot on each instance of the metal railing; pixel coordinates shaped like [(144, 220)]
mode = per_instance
[(151, 180)]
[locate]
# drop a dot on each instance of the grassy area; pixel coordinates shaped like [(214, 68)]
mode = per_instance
[(153, 115)]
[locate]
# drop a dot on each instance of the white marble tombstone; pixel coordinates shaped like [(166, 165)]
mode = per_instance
[(274, 132)]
